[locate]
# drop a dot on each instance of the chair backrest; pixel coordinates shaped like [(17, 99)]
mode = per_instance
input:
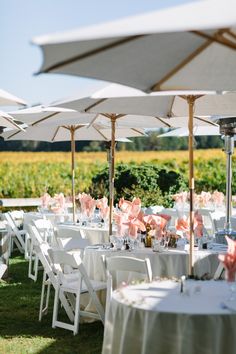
[(35, 235), (45, 228), (172, 213), (11, 223), (207, 220), (128, 264), (12, 227), (69, 239), (219, 223), (66, 263)]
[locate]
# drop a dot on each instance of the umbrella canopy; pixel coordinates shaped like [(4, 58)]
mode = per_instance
[(197, 131), (154, 51), (7, 121), (7, 99), (52, 133), (40, 115)]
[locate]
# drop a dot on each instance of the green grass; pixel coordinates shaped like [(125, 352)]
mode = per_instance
[(20, 330)]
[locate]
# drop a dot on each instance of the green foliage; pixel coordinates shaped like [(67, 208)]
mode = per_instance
[(151, 181)]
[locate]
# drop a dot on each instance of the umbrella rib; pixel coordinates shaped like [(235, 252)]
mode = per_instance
[(138, 131), (12, 122), (56, 133), (95, 104), (14, 134), (90, 53), (188, 59), (162, 121), (45, 118), (231, 33), (98, 131), (218, 38), (206, 121)]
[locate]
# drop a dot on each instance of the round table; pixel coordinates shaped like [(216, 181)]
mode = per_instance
[(157, 318), (170, 263)]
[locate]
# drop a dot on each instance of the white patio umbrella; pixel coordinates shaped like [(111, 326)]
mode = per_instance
[(7, 99), (71, 131), (197, 131), (153, 52), (187, 46)]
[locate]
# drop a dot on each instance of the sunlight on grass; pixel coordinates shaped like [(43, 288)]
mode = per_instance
[(20, 330)]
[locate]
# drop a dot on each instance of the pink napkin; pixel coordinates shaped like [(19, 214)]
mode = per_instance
[(218, 198), (131, 208), (182, 224), (87, 204), (120, 220), (198, 224), (102, 204), (45, 200), (134, 225), (229, 259), (157, 223), (57, 203)]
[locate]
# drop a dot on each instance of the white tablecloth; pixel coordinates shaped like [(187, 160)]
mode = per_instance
[(95, 235), (156, 318), (171, 263), (53, 217)]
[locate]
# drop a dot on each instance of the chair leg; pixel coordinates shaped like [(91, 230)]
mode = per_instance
[(41, 309), (77, 314), (33, 264), (28, 242), (55, 307)]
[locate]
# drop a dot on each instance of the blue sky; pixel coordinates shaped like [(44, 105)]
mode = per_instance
[(21, 20)]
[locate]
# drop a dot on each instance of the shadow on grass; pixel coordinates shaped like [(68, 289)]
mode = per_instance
[(19, 308)]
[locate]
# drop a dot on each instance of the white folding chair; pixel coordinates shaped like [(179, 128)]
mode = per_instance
[(45, 231), (173, 214), (116, 264), (49, 278), (76, 287), (3, 268), (35, 240), (19, 237), (45, 228), (71, 240), (208, 225)]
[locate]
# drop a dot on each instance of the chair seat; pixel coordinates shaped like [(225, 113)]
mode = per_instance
[(73, 286)]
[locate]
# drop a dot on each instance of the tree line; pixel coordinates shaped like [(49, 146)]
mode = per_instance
[(151, 142)]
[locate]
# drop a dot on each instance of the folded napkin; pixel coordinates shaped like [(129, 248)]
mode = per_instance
[(45, 200), (157, 223), (229, 259)]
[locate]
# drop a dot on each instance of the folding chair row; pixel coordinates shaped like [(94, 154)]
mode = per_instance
[(18, 237)]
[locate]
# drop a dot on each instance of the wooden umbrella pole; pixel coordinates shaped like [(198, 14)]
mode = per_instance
[(112, 172), (191, 100), (72, 132)]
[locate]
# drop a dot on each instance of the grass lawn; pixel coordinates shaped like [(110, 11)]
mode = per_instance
[(20, 330)]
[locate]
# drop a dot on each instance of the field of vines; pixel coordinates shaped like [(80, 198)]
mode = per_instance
[(30, 174)]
